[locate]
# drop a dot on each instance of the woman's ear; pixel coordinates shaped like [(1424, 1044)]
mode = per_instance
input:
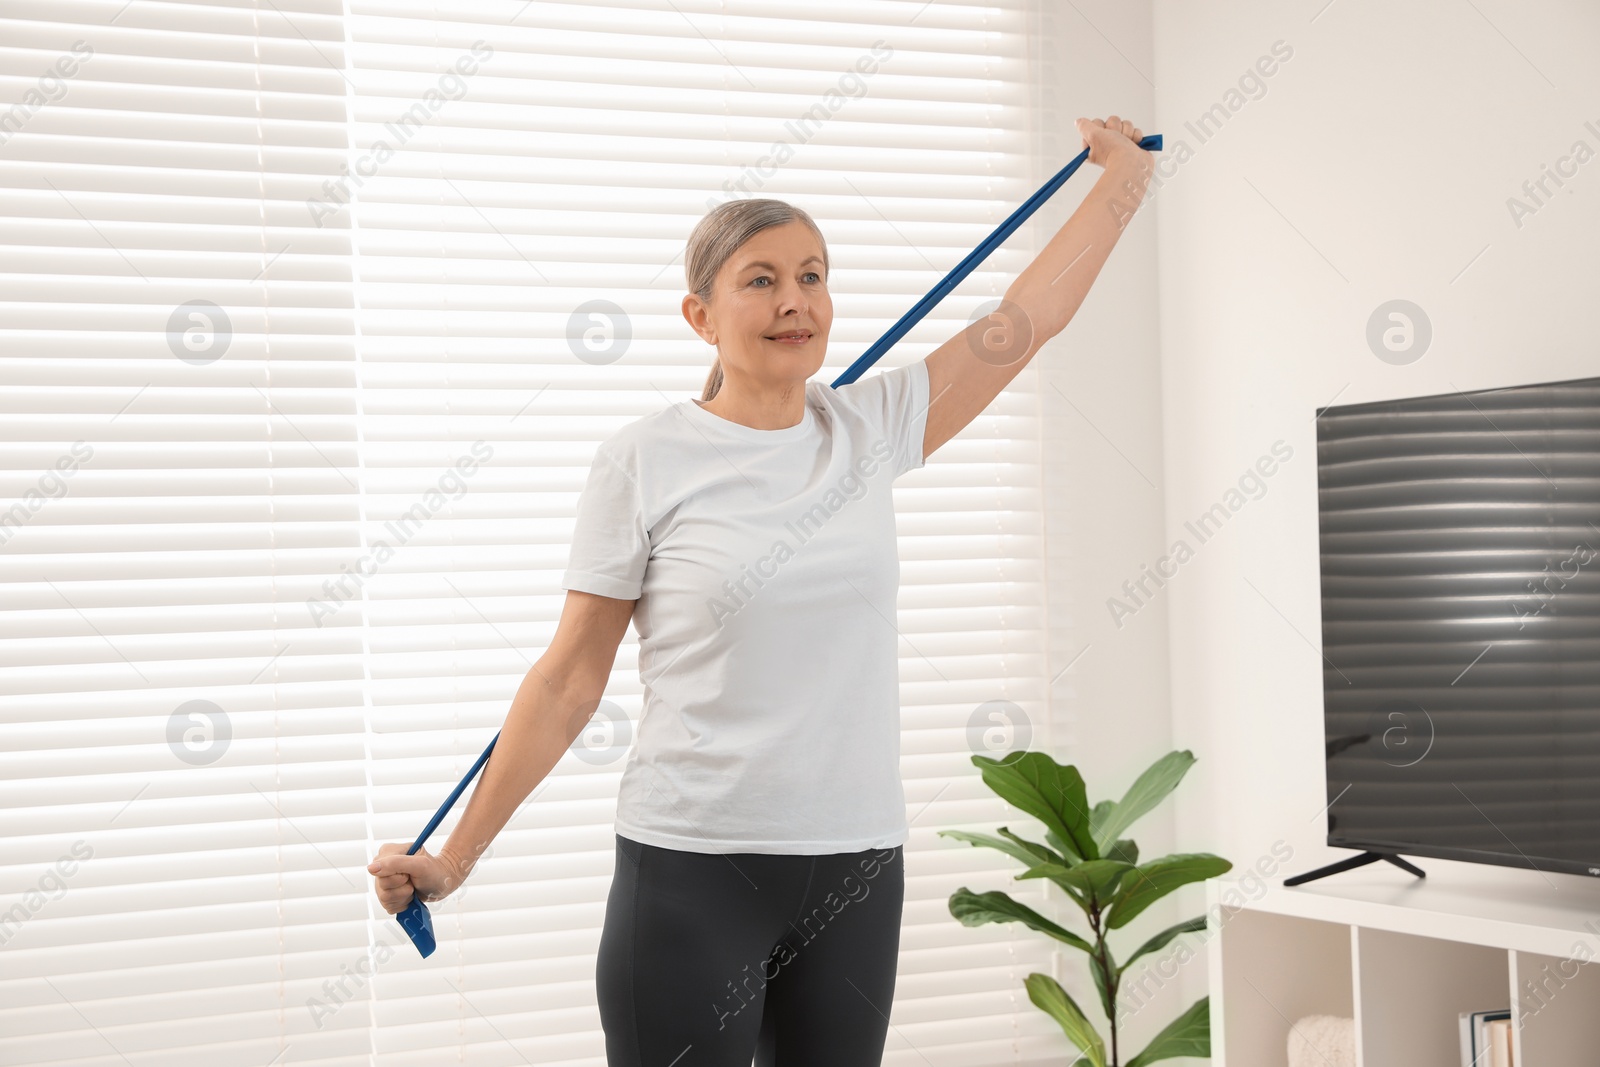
[(698, 317)]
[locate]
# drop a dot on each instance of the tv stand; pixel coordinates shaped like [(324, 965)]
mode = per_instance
[(1404, 957), (1352, 863)]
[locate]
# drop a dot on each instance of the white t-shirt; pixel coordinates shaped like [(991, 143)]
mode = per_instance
[(766, 569)]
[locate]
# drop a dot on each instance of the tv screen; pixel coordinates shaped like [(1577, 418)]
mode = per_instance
[(1460, 560)]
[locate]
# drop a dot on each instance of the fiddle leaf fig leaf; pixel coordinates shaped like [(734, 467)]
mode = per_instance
[(1164, 938), (1052, 793), (1038, 851), (1149, 882), (1106, 976), (1015, 847), (1187, 1035), (976, 909), (1055, 842), (1123, 849), (1047, 994), (1095, 880), (1098, 816), (1148, 790)]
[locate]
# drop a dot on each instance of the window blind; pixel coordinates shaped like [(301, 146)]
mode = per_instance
[(285, 601), (183, 793)]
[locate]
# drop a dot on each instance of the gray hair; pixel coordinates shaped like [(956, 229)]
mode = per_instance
[(719, 235)]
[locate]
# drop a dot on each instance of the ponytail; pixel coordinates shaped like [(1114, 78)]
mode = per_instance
[(713, 380)]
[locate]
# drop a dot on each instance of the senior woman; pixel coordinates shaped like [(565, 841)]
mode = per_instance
[(749, 535)]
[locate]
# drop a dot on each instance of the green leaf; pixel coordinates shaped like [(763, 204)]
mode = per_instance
[(1062, 847), (1151, 787), (1123, 849), (1149, 882), (1095, 880), (1047, 994), (1016, 848), (1036, 856), (1188, 1035), (1098, 816), (1053, 794), (976, 909), (1056, 874), (1106, 976), (1038, 851), (1164, 938)]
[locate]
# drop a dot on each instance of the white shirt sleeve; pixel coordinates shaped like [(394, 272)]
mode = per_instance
[(610, 543), (896, 401)]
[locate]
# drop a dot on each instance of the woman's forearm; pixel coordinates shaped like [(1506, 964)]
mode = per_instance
[(1050, 289), (540, 726)]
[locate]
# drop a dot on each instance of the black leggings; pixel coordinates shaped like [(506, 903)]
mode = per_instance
[(710, 959)]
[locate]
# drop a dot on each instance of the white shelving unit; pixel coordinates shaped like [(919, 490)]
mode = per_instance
[(1404, 956)]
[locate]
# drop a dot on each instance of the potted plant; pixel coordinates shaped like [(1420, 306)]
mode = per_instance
[(1099, 869)]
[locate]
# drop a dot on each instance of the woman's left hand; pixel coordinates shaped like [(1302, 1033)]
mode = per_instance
[(1109, 139)]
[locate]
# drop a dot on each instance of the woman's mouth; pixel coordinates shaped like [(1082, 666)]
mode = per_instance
[(792, 337)]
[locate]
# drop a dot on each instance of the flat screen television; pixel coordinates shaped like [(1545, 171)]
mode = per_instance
[(1459, 537)]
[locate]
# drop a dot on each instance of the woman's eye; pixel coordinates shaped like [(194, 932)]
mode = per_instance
[(764, 278)]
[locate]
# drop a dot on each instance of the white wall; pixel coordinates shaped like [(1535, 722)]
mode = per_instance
[(1100, 395), (1376, 164)]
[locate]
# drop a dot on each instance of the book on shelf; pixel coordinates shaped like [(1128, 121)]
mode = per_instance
[(1486, 1038), (1500, 1042)]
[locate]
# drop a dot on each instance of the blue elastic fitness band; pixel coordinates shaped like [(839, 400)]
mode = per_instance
[(968, 265), (415, 919)]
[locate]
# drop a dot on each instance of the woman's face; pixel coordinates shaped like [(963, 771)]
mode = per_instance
[(773, 285)]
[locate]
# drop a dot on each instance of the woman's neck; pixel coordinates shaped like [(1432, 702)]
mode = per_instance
[(778, 409)]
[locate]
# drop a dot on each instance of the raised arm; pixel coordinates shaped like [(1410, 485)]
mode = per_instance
[(555, 701), (969, 370)]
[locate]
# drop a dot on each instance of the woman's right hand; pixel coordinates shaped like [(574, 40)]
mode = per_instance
[(398, 877)]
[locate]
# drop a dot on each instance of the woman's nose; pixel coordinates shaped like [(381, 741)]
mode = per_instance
[(792, 297)]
